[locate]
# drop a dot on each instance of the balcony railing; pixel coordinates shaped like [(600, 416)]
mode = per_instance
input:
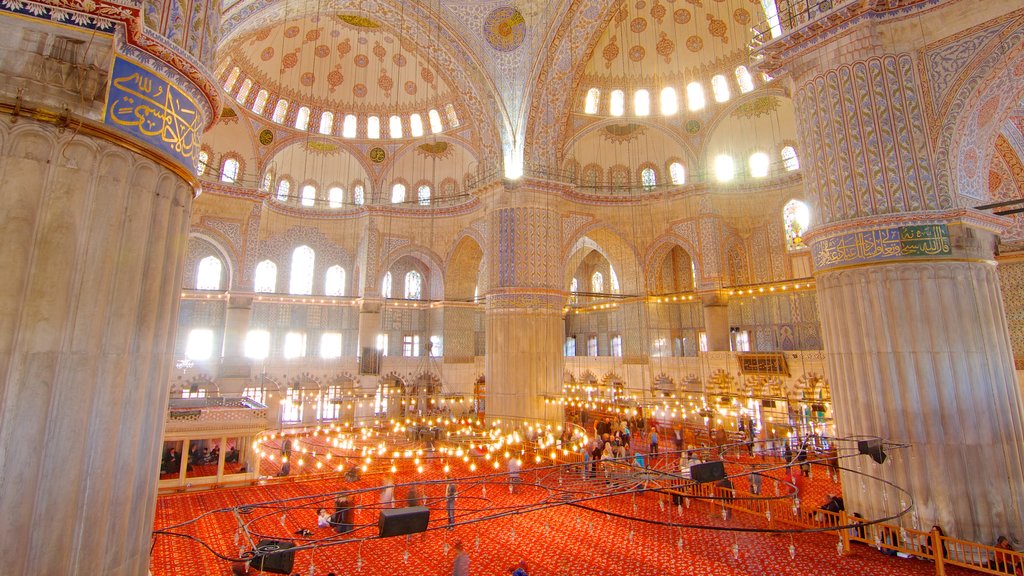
[(792, 14)]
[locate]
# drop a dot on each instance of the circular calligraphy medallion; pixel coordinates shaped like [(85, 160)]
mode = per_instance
[(505, 29), (266, 137), (692, 127), (377, 155)]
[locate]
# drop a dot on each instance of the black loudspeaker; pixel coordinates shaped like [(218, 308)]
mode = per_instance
[(707, 472), (275, 557), (872, 448), (408, 520)]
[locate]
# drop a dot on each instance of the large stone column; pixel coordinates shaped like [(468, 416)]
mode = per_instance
[(94, 241), (911, 313), (234, 365), (525, 329), (716, 321)]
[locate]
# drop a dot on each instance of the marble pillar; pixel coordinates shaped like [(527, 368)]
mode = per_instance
[(716, 321), (94, 242), (234, 365)]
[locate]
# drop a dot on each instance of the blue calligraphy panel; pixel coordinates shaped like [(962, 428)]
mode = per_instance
[(147, 106), (885, 244)]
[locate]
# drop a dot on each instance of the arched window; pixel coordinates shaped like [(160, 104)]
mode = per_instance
[(268, 179), (453, 118), (260, 102), (695, 96), (423, 195), (385, 286), (720, 87), (308, 195), (203, 161), (358, 195), (592, 101), (416, 125), (669, 101), (326, 122), (435, 122), (243, 92), (373, 127), (302, 271), (232, 78), (597, 282), (743, 78), (574, 287), (266, 277), (348, 128), (648, 178), (335, 197), (334, 282), (208, 274), (796, 217), (789, 159), (613, 279), (677, 172), (280, 111), (284, 187), (395, 126), (230, 171), (617, 103), (725, 169), (413, 285), (759, 164), (398, 193), (302, 118), (642, 103)]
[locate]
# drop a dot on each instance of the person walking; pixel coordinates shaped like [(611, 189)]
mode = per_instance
[(460, 567)]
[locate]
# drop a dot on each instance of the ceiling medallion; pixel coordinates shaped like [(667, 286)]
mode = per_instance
[(692, 127), (437, 149), (266, 137), (505, 29), (377, 155), (319, 147)]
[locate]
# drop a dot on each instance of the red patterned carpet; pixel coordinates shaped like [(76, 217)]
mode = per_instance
[(556, 540)]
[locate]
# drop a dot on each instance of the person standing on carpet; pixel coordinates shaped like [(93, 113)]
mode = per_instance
[(387, 495), (449, 494), (654, 442), (460, 567)]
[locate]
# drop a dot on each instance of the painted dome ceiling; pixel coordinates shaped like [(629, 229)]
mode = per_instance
[(672, 41), (343, 63)]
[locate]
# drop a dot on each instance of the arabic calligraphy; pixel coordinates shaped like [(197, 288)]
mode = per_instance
[(869, 245), (154, 110)]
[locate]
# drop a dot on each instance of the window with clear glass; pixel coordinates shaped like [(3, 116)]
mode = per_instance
[(194, 391), (435, 121), (308, 195), (268, 178), (617, 103), (453, 118), (334, 281), (326, 122), (330, 345), (744, 79), (720, 88), (294, 345), (348, 126), (260, 102), (725, 168), (613, 279), (258, 394), (616, 345), (303, 259), (642, 103), (789, 159), (574, 287), (358, 195), (669, 101), (771, 12), (373, 127), (648, 177), (570, 346), (423, 195), (208, 273), (398, 193), (677, 172), (385, 286), (796, 217), (592, 346), (257, 345), (695, 96), (597, 282), (395, 126), (410, 345), (284, 187), (230, 171), (330, 404), (413, 285), (266, 277), (291, 405), (416, 125), (382, 344), (204, 161), (302, 118), (232, 78), (740, 341), (336, 197), (199, 345), (760, 164), (280, 111), (592, 101), (243, 92), (436, 347)]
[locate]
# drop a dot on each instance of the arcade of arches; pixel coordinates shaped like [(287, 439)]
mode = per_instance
[(486, 201)]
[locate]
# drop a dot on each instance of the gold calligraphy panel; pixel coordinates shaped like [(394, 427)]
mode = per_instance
[(890, 243)]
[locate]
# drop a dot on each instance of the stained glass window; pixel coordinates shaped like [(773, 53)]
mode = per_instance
[(796, 217)]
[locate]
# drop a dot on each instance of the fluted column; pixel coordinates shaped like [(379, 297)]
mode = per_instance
[(234, 364), (524, 324), (94, 239), (913, 322)]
